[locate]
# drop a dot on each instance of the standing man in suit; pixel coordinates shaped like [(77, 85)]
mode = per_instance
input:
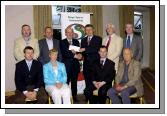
[(114, 44), (128, 79), (47, 44), (89, 47), (134, 42), (71, 60), (103, 75), (29, 79), (22, 42)]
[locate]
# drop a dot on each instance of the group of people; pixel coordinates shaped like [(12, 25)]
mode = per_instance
[(111, 65)]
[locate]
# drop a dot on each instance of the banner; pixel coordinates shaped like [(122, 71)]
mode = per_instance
[(77, 22)]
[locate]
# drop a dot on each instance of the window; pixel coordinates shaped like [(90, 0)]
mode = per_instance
[(56, 17), (138, 23)]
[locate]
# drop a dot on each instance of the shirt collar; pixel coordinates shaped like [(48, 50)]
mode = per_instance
[(28, 61), (49, 39), (131, 35)]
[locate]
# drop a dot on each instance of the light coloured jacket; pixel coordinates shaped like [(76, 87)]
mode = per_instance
[(134, 75), (50, 77), (19, 46), (114, 49)]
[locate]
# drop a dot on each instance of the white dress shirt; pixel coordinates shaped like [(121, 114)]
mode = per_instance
[(50, 43)]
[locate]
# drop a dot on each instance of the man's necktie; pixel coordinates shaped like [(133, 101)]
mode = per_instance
[(108, 43), (88, 40), (29, 65), (70, 42), (101, 63), (128, 42)]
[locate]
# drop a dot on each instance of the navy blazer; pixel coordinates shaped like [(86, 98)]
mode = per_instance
[(68, 56), (25, 78), (44, 50), (91, 51), (107, 73)]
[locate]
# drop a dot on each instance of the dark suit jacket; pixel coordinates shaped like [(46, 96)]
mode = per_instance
[(25, 78), (107, 73), (44, 50), (136, 47), (67, 55), (91, 52)]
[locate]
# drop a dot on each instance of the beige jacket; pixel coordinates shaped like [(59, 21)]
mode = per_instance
[(134, 75), (19, 46), (114, 49)]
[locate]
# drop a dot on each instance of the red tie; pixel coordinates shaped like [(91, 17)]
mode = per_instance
[(108, 43)]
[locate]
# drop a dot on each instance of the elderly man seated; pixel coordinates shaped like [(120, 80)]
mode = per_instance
[(128, 79)]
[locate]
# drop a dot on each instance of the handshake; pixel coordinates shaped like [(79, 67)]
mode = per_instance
[(77, 51)]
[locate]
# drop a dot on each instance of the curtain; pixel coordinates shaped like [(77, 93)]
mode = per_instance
[(126, 15), (42, 17), (96, 18)]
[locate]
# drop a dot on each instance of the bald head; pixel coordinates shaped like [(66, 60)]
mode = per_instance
[(127, 54)]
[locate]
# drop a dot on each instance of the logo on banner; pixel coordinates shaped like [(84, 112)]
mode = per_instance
[(79, 31)]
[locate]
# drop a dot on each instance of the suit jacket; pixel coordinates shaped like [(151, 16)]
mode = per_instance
[(91, 51), (19, 46), (107, 73), (68, 56), (134, 75), (44, 50), (114, 49), (25, 78), (136, 47), (50, 77)]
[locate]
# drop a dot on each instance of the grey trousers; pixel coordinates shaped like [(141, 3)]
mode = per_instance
[(124, 94)]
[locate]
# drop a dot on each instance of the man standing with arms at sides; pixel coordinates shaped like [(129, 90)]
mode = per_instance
[(114, 44), (133, 42), (25, 40), (47, 44), (71, 60), (90, 46)]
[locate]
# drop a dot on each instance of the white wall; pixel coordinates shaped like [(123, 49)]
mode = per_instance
[(15, 17), (110, 14)]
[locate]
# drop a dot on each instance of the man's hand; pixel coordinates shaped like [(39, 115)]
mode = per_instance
[(78, 56), (73, 51), (31, 95), (119, 87), (59, 85), (82, 50)]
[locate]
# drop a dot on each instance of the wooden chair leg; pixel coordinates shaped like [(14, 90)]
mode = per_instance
[(71, 98), (49, 99)]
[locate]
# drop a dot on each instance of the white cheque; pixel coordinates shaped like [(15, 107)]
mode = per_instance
[(75, 48)]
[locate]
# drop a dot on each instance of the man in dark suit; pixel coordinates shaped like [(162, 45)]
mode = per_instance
[(103, 75), (47, 44), (71, 59), (134, 42), (89, 47), (29, 79)]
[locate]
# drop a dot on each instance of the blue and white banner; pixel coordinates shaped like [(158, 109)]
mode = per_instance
[(76, 21)]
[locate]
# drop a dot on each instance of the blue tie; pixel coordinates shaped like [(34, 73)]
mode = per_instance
[(128, 42)]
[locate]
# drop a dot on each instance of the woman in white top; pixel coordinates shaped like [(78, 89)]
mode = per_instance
[(114, 43)]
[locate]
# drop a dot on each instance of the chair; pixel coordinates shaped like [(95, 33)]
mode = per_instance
[(28, 101), (50, 100), (134, 96), (95, 93)]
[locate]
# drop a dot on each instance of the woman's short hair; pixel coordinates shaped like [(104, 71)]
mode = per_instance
[(53, 51)]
